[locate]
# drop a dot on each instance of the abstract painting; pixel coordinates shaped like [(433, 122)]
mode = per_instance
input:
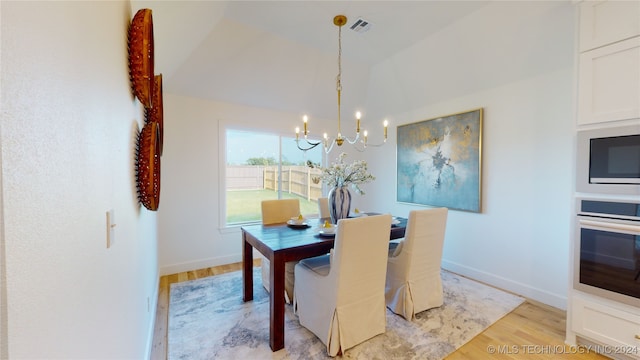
[(439, 161)]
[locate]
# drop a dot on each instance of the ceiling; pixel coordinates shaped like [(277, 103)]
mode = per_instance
[(282, 55)]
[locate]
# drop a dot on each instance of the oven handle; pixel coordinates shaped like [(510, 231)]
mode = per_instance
[(611, 226)]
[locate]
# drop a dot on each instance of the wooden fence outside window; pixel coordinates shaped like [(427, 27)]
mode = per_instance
[(298, 180)]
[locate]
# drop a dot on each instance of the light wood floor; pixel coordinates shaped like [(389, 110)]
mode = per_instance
[(531, 331)]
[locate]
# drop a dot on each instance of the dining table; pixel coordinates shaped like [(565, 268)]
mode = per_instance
[(281, 243)]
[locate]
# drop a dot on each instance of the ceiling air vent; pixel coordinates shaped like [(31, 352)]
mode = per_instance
[(361, 25)]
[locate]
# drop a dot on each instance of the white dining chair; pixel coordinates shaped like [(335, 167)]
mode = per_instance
[(323, 207), (279, 212), (413, 282), (340, 297)]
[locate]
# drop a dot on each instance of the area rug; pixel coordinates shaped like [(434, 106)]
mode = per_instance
[(209, 320)]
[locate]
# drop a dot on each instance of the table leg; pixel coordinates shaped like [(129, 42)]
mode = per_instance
[(276, 328), (247, 269)]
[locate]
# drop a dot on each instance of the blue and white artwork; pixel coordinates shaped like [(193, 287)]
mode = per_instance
[(439, 161)]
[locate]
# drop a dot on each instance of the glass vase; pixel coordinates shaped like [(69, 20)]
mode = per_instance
[(339, 203)]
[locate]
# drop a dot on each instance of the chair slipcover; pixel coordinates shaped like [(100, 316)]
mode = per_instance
[(279, 212), (340, 297), (323, 207), (414, 283)]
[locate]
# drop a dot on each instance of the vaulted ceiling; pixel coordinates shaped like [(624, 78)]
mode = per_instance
[(283, 54)]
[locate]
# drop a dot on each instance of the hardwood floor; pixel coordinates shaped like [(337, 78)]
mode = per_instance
[(531, 331)]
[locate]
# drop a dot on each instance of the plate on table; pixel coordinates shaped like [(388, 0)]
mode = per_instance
[(297, 225), (330, 233), (395, 222)]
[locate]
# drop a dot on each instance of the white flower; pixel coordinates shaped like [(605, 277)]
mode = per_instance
[(340, 174)]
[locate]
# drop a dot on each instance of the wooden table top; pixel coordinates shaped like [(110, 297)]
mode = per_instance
[(282, 236)]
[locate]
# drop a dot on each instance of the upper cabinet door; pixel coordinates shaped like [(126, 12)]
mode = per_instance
[(606, 22), (609, 79)]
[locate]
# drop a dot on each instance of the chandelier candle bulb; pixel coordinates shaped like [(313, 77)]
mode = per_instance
[(297, 132), (358, 115), (386, 123), (305, 118)]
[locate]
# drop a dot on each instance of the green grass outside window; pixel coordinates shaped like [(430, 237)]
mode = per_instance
[(244, 205)]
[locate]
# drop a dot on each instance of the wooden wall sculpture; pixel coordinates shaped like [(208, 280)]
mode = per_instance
[(148, 166), (141, 60), (147, 87), (155, 114)]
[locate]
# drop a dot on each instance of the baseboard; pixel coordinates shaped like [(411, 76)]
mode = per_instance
[(200, 264), (152, 312), (516, 287)]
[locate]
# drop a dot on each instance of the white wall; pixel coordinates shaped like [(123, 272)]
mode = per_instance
[(520, 240), (69, 126), (191, 231)]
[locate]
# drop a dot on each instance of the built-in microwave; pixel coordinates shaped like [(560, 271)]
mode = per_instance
[(608, 160)]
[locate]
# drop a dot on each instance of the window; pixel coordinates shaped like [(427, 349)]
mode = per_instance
[(263, 166)]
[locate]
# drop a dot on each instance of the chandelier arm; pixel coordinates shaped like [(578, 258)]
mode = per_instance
[(327, 148), (360, 149), (311, 144), (368, 144), (354, 140)]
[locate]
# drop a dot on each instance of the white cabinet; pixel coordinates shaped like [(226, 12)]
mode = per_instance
[(609, 325), (609, 80), (608, 91), (606, 22), (609, 67)]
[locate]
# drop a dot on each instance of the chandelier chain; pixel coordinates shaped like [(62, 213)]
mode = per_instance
[(339, 77)]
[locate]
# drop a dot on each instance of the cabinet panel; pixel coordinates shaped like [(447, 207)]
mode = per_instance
[(605, 324), (610, 83), (606, 22)]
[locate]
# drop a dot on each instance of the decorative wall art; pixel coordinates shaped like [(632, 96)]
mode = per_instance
[(155, 114), (147, 87), (439, 161), (148, 167), (141, 58)]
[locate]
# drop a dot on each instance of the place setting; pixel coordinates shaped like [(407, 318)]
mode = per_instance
[(298, 222), (395, 221), (327, 229), (357, 213)]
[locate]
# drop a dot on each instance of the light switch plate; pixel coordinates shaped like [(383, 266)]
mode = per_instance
[(110, 228)]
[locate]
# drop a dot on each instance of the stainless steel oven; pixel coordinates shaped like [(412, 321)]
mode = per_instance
[(608, 249)]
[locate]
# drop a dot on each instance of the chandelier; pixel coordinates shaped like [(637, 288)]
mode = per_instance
[(359, 143)]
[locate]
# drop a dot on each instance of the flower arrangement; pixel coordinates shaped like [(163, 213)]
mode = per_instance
[(340, 174)]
